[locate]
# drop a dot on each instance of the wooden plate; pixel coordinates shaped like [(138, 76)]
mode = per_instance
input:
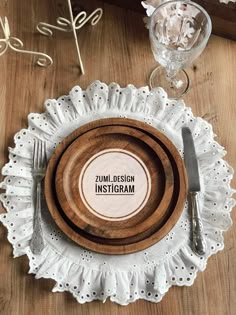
[(119, 245), (118, 152)]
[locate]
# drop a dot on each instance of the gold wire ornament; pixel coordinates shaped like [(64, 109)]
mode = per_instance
[(72, 25), (43, 60)]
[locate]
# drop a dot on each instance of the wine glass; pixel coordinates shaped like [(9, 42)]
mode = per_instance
[(179, 31)]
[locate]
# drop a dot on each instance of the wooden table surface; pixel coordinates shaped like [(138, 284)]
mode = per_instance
[(117, 49)]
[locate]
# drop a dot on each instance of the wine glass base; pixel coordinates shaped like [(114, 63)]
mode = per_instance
[(174, 91)]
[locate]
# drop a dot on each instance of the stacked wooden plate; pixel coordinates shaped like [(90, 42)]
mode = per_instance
[(116, 186)]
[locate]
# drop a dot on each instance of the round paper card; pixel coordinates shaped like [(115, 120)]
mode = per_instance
[(115, 184)]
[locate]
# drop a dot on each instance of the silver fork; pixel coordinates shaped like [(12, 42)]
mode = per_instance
[(38, 172)]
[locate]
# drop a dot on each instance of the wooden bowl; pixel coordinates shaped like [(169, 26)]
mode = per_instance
[(109, 239), (115, 215)]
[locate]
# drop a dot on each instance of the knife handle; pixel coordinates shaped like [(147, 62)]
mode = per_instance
[(198, 240)]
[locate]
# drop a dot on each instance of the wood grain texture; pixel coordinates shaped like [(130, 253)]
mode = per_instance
[(118, 137), (117, 49), (151, 229), (223, 15)]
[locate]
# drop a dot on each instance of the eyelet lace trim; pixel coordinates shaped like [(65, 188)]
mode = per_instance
[(146, 274)]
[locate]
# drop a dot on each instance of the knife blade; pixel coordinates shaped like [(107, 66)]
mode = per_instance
[(194, 187)]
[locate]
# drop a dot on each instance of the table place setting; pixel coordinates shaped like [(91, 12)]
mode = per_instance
[(120, 192), (116, 192)]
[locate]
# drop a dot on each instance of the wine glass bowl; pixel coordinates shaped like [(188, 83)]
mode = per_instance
[(179, 31)]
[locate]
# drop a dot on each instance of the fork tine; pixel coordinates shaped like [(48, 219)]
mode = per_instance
[(38, 154), (44, 155), (35, 154)]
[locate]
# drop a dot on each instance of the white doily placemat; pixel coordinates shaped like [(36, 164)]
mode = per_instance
[(147, 274)]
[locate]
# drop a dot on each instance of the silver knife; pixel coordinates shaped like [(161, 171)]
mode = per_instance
[(191, 164)]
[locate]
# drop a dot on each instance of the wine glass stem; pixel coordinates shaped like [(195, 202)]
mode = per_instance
[(171, 77)]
